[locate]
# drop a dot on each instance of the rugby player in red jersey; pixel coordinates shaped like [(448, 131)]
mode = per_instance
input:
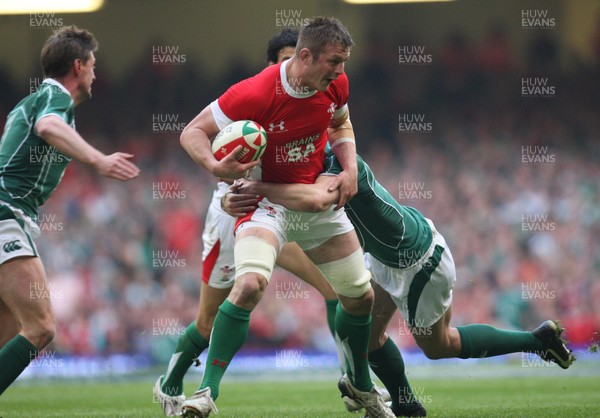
[(303, 105), (218, 271)]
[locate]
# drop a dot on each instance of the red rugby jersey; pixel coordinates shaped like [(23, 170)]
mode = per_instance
[(295, 119)]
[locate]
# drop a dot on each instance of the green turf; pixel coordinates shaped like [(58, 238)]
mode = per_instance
[(467, 397)]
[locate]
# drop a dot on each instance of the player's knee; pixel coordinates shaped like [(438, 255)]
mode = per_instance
[(432, 350), (252, 283), (433, 354), (362, 305), (377, 339), (248, 290)]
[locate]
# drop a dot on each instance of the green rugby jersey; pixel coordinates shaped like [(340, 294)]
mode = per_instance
[(30, 168), (394, 234)]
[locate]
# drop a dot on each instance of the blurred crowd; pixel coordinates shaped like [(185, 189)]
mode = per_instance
[(511, 181)]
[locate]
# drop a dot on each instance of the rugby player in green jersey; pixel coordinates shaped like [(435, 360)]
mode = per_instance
[(38, 143), (414, 272)]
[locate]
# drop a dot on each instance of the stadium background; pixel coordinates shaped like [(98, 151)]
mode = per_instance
[(449, 113)]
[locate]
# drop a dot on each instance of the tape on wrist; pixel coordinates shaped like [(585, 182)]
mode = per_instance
[(342, 141)]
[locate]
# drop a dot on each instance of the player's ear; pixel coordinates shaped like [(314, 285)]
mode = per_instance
[(305, 56), (77, 65)]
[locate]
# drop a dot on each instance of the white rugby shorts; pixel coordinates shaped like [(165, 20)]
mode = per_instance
[(423, 291), (308, 230), (218, 269), (17, 232)]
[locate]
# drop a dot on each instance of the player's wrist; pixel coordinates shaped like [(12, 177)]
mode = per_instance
[(94, 159), (344, 140), (224, 199)]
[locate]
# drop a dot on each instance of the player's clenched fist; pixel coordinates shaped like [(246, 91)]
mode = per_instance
[(230, 168)]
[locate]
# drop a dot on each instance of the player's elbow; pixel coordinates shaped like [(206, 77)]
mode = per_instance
[(319, 201), (184, 137), (311, 206)]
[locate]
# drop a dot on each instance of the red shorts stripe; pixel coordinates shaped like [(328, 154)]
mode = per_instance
[(209, 263), (243, 219)]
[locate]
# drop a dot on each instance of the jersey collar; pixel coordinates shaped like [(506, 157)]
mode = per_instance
[(296, 93), (57, 84)]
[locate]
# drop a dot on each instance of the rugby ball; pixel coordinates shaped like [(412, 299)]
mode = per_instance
[(249, 134)]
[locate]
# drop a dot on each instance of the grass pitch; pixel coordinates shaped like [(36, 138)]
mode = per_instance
[(466, 397)]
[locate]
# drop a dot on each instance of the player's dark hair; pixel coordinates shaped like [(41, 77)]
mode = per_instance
[(320, 32), (287, 37), (63, 47)]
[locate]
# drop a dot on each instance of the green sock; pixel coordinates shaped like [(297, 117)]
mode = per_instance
[(331, 306), (15, 356), (354, 332), (387, 363), (229, 333), (479, 340), (189, 346)]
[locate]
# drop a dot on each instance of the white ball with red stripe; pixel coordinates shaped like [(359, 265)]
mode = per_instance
[(249, 134)]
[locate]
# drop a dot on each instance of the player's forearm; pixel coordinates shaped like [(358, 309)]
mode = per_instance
[(66, 139), (346, 155), (342, 141), (298, 197), (197, 144)]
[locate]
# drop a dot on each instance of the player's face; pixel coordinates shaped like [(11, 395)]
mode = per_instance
[(285, 53), (87, 77), (328, 67)]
